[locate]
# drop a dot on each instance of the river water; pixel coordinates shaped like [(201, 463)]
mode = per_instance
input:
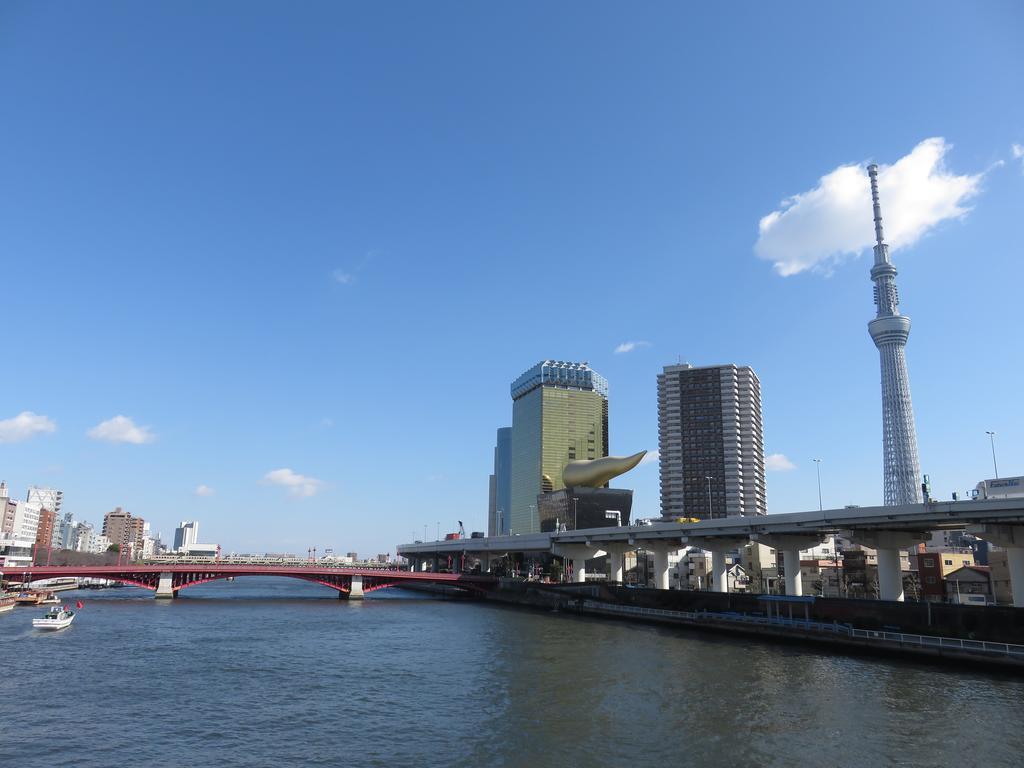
[(273, 672)]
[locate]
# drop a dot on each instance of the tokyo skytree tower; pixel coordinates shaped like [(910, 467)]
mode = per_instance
[(889, 330)]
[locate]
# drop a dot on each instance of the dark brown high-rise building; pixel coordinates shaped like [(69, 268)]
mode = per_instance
[(44, 533), (124, 530), (711, 448)]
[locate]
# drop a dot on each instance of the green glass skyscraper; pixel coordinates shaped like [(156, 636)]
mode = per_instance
[(559, 414)]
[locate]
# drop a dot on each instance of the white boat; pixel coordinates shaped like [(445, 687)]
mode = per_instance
[(55, 618), (7, 602)]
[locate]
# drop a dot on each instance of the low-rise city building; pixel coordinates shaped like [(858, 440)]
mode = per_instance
[(970, 584), (14, 550)]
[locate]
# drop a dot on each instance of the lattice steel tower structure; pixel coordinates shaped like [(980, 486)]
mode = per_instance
[(889, 330)]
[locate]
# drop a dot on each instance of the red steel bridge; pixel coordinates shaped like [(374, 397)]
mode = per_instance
[(167, 580)]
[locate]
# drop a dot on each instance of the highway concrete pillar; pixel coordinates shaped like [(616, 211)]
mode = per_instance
[(578, 554), (356, 590), (615, 569), (660, 567), (719, 570), (791, 563), (890, 580), (719, 547), (165, 587), (790, 546), (615, 554), (887, 546), (660, 550), (1010, 538), (1015, 564)]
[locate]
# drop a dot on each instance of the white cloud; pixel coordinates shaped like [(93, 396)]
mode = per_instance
[(121, 429), (629, 346), (25, 425), (818, 228), (777, 462), (1018, 154), (204, 490), (343, 278), (651, 457), (297, 485)]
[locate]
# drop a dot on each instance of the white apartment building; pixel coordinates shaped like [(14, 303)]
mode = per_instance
[(46, 498), (186, 535)]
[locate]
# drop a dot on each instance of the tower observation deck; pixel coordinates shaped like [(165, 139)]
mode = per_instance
[(889, 330)]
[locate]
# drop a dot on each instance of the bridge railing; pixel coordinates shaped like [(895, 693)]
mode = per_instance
[(283, 561), (934, 641), (1009, 650)]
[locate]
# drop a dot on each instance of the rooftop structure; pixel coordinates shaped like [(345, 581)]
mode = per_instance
[(557, 373)]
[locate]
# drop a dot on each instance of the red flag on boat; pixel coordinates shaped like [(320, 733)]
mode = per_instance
[(79, 605)]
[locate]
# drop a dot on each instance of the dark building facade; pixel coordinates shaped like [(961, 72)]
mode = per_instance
[(929, 570), (578, 507), (710, 442), (499, 518)]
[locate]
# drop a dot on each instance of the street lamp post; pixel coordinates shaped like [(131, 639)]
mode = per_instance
[(575, 502), (817, 465), (424, 531), (709, 478), (992, 440), (438, 531)]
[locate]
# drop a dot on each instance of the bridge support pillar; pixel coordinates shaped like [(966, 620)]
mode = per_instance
[(615, 553), (578, 554), (165, 587), (794, 579), (719, 570), (660, 550), (660, 567), (356, 591), (890, 580), (1015, 564), (719, 548), (1010, 538), (887, 546), (790, 546)]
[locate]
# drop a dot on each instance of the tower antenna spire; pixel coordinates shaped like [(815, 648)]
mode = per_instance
[(875, 205)]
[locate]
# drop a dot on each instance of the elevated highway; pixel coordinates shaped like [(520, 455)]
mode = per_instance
[(885, 529)]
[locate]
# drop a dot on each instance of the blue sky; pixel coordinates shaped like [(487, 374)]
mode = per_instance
[(325, 237)]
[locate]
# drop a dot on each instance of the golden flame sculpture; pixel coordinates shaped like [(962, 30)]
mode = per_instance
[(597, 472)]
